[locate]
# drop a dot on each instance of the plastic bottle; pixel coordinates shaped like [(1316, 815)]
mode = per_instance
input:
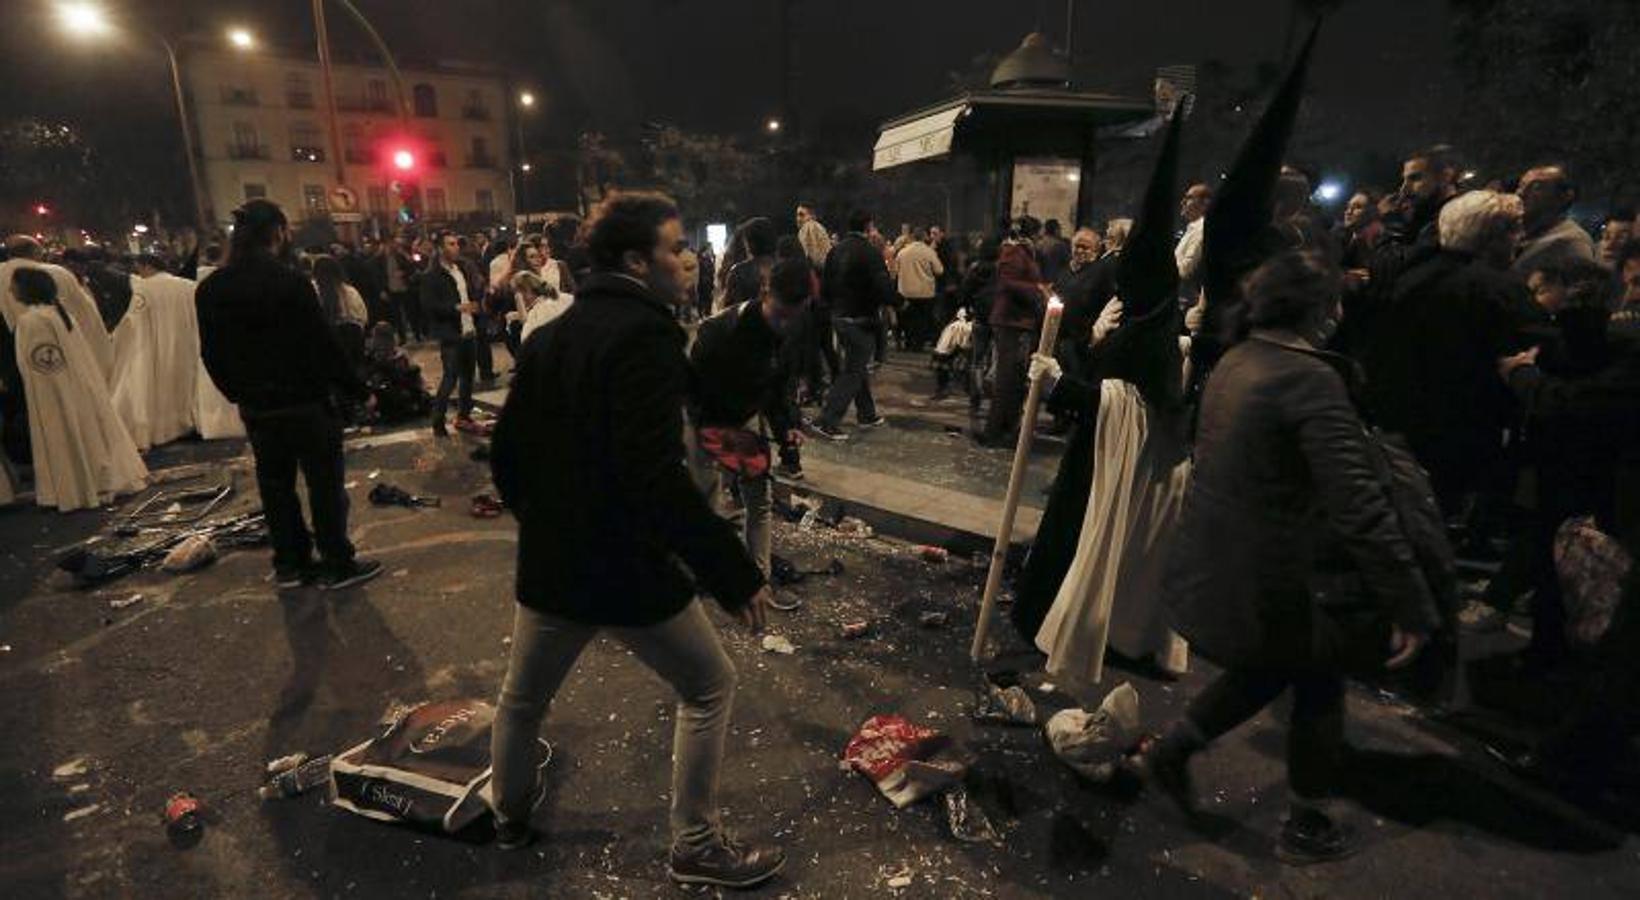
[(297, 781)]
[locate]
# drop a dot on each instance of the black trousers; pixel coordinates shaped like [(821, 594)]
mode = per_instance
[(485, 355), (1013, 349), (306, 439), (852, 385), (1315, 737), (459, 358), (823, 349), (407, 320), (917, 323)]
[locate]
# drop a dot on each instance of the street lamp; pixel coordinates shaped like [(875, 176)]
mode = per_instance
[(773, 125), (524, 168), (83, 18), (527, 99), (89, 20)]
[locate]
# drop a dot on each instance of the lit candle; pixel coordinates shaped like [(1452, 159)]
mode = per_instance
[(1050, 324)]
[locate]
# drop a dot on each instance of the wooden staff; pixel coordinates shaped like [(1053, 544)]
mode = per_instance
[(1016, 482)]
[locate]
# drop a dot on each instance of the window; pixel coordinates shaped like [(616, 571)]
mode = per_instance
[(474, 107), (238, 96), (255, 191), (480, 157), (246, 144), (377, 198), (298, 92), (375, 94), (305, 145), (486, 201), (353, 146), (425, 100), (435, 202), (313, 200)]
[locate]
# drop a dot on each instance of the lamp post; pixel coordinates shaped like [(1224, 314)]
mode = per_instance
[(89, 20), (526, 103)]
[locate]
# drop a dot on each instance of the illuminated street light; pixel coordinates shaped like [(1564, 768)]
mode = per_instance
[(773, 125), (526, 98), (404, 160), (1329, 191), (525, 167), (83, 18), (241, 38), (139, 228), (40, 209)]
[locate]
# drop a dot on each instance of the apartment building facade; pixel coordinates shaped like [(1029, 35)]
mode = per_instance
[(262, 132)]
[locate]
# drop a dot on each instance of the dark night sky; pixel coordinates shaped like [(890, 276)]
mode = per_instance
[(709, 64)]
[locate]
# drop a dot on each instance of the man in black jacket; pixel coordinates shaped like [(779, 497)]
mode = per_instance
[(589, 455), (740, 374), (447, 301), (267, 346), (856, 286)]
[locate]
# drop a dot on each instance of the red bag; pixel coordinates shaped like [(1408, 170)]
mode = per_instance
[(738, 450), (907, 762)]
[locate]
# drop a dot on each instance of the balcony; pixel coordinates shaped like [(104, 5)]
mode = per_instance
[(247, 151), (299, 100), (475, 113), (363, 104), (481, 161), (307, 153), (239, 97)]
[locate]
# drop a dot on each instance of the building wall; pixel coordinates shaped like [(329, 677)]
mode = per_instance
[(260, 123)]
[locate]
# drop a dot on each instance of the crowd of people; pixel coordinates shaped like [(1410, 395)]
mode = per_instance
[(1254, 397)]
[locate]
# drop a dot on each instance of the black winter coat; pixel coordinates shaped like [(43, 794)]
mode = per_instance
[(589, 455), (855, 283), (1284, 495), (740, 371)]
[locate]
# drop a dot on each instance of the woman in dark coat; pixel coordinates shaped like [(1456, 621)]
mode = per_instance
[(1291, 567)]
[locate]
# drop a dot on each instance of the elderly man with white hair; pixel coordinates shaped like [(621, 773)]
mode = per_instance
[(1430, 356)]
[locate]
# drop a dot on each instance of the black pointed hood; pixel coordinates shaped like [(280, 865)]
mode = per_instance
[(1237, 235)]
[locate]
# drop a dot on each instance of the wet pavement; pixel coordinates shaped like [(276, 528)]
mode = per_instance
[(111, 709)]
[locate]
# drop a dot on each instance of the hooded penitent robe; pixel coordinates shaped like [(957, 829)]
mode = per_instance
[(83, 456), (74, 300), (172, 356)]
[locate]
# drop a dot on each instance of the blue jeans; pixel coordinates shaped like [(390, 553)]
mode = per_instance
[(858, 338)]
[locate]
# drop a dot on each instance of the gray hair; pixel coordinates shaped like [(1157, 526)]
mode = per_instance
[(1469, 223)]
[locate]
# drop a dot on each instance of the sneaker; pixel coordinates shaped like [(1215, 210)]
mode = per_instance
[(727, 863), (876, 422), (290, 578), (356, 572), (785, 602), (791, 471), (1311, 836), (1478, 617), (829, 432)]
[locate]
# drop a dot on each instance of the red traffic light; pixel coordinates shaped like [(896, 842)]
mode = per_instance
[(404, 160)]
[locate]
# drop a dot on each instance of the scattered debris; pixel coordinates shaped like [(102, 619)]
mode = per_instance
[(907, 762), (81, 812), (775, 643), (857, 629), (385, 494), (182, 813), (487, 506), (297, 779), (1005, 706), (400, 573), (285, 763), (193, 553), (123, 602), (350, 485), (783, 572), (965, 818), (933, 619), (900, 880), (930, 553), (71, 769), (1093, 743), (93, 567), (854, 528), (374, 474)]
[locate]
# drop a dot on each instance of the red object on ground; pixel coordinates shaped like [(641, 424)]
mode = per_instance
[(182, 811), (907, 762)]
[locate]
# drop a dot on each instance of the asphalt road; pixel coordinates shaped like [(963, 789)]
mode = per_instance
[(107, 711)]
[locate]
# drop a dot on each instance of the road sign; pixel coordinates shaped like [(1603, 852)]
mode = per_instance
[(343, 200)]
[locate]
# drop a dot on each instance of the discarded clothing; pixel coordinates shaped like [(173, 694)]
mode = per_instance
[(1092, 743)]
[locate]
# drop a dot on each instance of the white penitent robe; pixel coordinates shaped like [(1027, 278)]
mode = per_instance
[(174, 345), (83, 456), (1111, 594), (214, 415), (74, 299), (132, 387)]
